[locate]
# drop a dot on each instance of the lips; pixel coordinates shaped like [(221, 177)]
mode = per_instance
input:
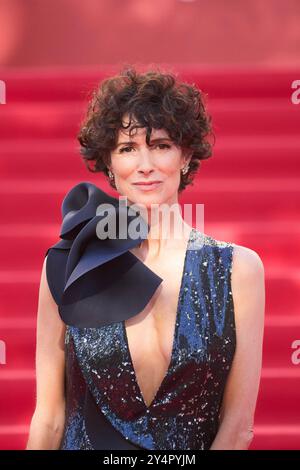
[(147, 182), (148, 186)]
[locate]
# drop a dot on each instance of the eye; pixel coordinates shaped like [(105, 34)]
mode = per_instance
[(124, 148), (164, 145)]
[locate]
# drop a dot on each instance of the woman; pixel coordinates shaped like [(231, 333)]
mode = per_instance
[(152, 342)]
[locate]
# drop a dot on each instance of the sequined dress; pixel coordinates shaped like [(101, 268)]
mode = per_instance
[(105, 408)]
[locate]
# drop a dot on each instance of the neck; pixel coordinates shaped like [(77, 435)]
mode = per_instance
[(163, 236), (167, 230)]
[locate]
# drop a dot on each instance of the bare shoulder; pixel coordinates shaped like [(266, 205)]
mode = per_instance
[(248, 283), (246, 264)]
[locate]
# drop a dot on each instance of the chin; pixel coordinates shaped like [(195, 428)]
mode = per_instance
[(150, 199), (146, 198)]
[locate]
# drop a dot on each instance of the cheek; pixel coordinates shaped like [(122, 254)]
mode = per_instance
[(170, 165), (123, 167)]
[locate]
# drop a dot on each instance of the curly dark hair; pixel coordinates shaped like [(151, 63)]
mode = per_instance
[(153, 99)]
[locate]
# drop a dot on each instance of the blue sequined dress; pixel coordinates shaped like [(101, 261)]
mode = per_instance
[(105, 408)]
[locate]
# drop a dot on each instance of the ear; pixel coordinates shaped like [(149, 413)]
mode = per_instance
[(187, 156)]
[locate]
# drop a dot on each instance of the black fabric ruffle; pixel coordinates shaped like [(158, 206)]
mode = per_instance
[(97, 281)]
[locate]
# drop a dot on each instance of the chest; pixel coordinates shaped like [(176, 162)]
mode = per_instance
[(150, 334)]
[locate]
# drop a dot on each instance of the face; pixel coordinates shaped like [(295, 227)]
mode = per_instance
[(133, 161)]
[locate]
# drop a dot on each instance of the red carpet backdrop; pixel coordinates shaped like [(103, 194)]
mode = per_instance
[(246, 56)]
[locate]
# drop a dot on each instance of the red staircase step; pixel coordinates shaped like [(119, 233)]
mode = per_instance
[(276, 438), (30, 242), (14, 437), (253, 199), (276, 406), (13, 306), (71, 83), (238, 117), (20, 338), (245, 157), (17, 391), (249, 157)]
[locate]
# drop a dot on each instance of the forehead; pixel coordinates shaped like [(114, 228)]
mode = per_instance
[(139, 132)]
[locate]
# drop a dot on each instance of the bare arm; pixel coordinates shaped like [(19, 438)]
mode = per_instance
[(240, 394), (47, 422)]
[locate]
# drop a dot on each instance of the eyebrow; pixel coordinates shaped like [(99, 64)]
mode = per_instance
[(153, 140)]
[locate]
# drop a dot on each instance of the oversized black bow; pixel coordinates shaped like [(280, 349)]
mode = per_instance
[(97, 281)]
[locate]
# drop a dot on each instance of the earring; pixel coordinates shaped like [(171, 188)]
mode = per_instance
[(185, 169), (110, 174)]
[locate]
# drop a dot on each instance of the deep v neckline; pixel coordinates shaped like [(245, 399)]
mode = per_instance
[(177, 320)]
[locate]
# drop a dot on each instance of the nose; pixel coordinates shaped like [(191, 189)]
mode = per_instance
[(145, 161)]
